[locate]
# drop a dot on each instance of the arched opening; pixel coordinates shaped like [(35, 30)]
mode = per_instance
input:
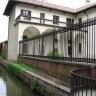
[(48, 42), (30, 32), (47, 31)]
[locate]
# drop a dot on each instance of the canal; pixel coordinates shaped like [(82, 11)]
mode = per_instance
[(12, 86)]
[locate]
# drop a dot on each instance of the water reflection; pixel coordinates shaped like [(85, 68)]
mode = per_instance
[(11, 86)]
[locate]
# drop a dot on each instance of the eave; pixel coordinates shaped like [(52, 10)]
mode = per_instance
[(11, 3), (8, 8)]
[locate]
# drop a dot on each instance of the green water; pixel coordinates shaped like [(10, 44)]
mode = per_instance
[(11, 86)]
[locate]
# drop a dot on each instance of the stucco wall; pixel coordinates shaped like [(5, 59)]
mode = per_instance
[(16, 31), (37, 10), (91, 14), (12, 36)]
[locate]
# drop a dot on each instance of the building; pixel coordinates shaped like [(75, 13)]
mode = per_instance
[(4, 48), (29, 18)]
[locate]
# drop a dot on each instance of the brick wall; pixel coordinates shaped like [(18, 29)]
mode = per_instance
[(55, 68), (4, 49)]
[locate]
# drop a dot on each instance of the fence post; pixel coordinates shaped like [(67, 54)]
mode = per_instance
[(71, 41), (33, 47), (53, 44), (19, 48), (39, 47), (27, 47), (42, 45)]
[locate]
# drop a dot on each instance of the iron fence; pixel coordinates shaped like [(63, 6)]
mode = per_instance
[(73, 43), (83, 82)]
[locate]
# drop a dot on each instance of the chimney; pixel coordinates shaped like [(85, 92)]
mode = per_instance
[(87, 2)]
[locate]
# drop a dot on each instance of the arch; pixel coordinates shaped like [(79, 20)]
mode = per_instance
[(47, 31), (30, 32), (48, 42)]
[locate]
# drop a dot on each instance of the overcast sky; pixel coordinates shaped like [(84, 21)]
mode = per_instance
[(4, 19)]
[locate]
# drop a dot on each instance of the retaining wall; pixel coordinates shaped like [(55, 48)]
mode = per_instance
[(49, 86), (58, 69)]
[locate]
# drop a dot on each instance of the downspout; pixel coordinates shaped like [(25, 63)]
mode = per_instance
[(87, 34), (86, 15)]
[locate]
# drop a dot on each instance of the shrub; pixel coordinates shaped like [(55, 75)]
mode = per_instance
[(3, 56), (13, 69), (38, 87), (0, 47), (56, 54)]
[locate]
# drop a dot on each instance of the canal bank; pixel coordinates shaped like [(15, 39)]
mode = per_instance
[(40, 82), (12, 86)]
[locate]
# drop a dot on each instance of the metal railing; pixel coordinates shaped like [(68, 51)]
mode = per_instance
[(83, 82), (74, 43)]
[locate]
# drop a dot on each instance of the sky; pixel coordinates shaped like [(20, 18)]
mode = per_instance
[(4, 19)]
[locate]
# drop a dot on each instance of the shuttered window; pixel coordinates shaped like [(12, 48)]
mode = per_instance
[(80, 20), (26, 14), (42, 18), (55, 19), (69, 21)]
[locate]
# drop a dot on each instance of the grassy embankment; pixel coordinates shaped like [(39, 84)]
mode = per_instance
[(14, 68)]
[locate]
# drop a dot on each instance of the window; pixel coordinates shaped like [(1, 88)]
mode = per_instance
[(80, 20), (69, 21), (55, 19), (42, 18), (79, 47), (69, 48), (26, 14)]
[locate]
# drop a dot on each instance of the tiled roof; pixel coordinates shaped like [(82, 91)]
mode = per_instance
[(85, 7), (48, 5)]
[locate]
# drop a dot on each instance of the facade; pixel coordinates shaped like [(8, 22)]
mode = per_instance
[(33, 18)]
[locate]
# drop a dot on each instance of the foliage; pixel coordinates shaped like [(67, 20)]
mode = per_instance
[(56, 54), (34, 83), (25, 67), (38, 87), (0, 47), (3, 56), (13, 69)]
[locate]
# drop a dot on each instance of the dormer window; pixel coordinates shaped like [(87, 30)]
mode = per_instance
[(26, 14)]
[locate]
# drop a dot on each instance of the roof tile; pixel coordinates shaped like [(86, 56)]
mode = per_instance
[(47, 4)]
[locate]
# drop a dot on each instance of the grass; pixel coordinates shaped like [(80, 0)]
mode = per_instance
[(2, 56), (25, 67), (56, 54), (14, 68)]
